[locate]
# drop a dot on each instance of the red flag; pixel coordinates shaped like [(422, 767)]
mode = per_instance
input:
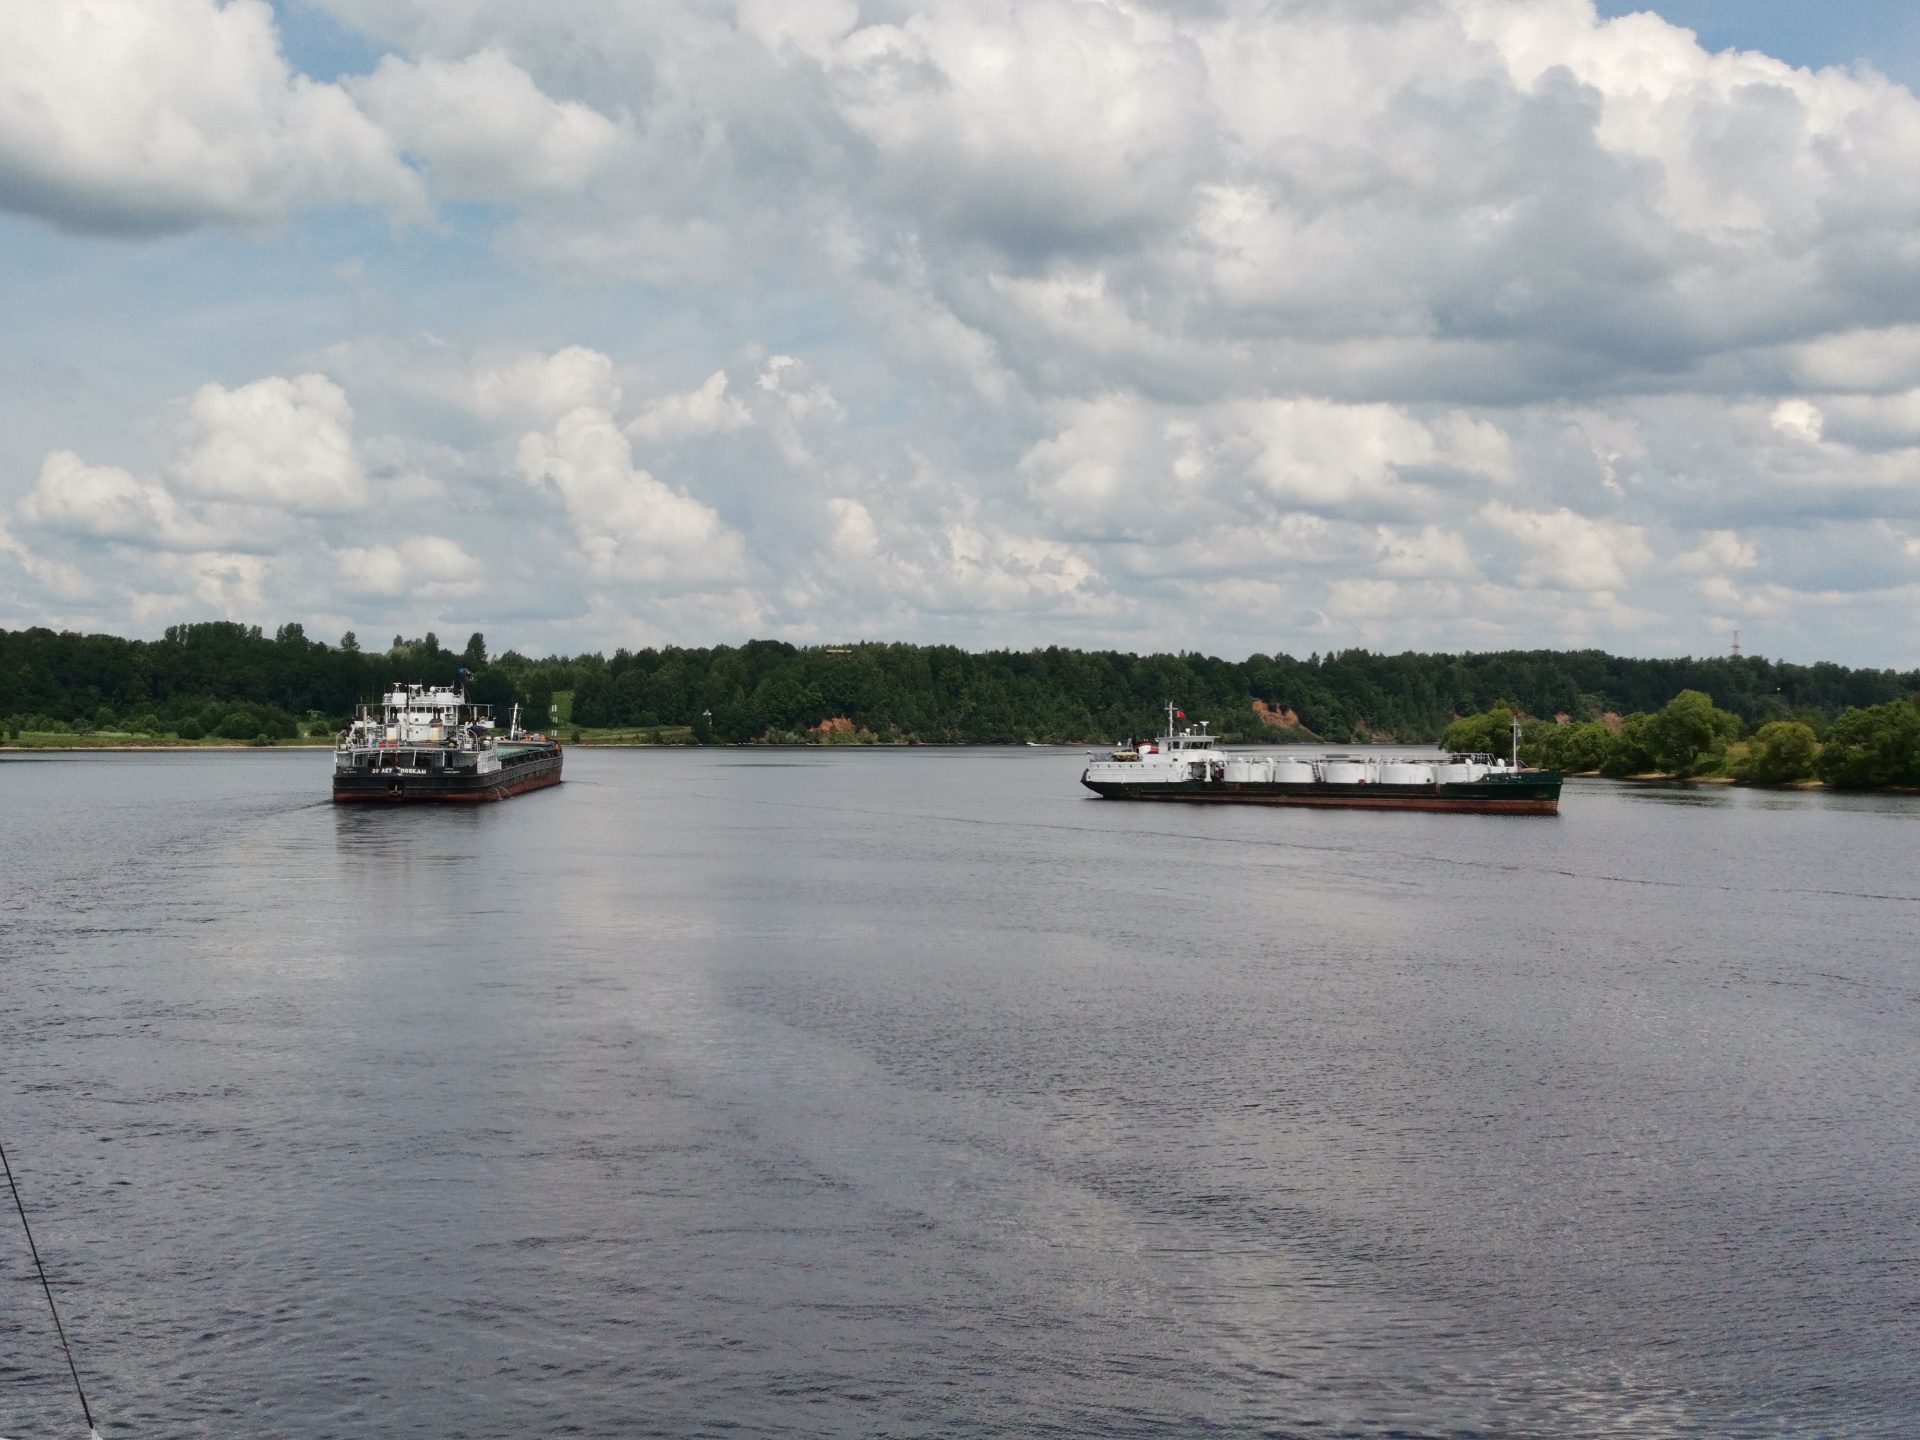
[(1180, 714)]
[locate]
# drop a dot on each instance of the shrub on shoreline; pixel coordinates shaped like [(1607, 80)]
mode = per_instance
[(1781, 753), (1873, 748)]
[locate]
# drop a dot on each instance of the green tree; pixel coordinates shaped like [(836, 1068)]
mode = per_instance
[(536, 703), (1689, 732), (1872, 747), (1489, 733), (474, 657), (1780, 753), (1576, 748), (1812, 718), (1630, 748), (241, 724)]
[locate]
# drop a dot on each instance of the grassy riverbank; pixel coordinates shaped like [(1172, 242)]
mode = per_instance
[(109, 740), (642, 736)]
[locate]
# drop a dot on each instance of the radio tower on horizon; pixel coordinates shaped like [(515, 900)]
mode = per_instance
[(1735, 647)]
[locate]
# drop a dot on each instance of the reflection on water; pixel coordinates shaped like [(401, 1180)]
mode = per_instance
[(865, 1092)]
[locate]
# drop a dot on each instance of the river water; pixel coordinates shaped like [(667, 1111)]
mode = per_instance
[(902, 1093)]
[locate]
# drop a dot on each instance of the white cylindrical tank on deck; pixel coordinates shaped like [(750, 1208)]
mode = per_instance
[(1460, 771), (1343, 772), (1406, 772), (1289, 771), (1248, 769)]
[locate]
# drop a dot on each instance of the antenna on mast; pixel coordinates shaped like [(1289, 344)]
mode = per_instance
[(1735, 647)]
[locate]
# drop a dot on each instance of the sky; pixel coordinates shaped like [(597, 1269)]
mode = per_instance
[(1158, 324)]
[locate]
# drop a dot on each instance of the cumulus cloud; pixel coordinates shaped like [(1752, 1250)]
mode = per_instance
[(1442, 322), (1571, 551), (1719, 550), (278, 441), (1123, 466), (1003, 571), (706, 410), (144, 115), (419, 565), (229, 584), (1431, 553), (1799, 418), (105, 502), (262, 469), (486, 130), (542, 388), (630, 526)]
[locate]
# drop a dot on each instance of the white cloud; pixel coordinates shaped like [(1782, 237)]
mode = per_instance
[(1571, 551), (1719, 550), (1870, 421), (162, 114), (62, 580), (1432, 553), (855, 536), (485, 128), (228, 583), (1128, 467), (542, 388), (1002, 571), (707, 409), (1869, 359), (419, 565), (1318, 454), (277, 442), (1799, 418), (630, 527), (1435, 320), (106, 502), (1355, 597)]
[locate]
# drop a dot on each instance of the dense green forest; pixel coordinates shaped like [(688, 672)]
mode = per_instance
[(221, 678), (1868, 747)]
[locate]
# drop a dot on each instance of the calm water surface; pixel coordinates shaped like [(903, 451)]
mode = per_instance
[(910, 1093)]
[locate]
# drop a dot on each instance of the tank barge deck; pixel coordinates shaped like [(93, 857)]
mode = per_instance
[(1190, 767)]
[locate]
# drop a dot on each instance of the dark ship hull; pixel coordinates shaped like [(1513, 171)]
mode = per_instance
[(403, 776), (1531, 792)]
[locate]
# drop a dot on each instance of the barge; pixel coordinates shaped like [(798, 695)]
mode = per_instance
[(431, 745), (1190, 766)]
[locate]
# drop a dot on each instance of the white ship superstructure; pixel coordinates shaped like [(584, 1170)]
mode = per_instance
[(425, 742), (431, 723)]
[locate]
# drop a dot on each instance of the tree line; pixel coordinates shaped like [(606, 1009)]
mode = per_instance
[(226, 678), (1865, 748)]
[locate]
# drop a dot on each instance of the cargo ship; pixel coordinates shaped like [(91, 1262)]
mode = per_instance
[(429, 744), (1190, 766)]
